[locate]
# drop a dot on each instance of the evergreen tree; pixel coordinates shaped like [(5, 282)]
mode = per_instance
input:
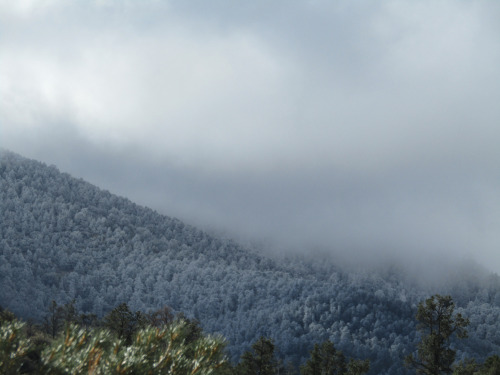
[(152, 351), (358, 367), (52, 321), (68, 313), (470, 367), (314, 365), (437, 324), (6, 316), (192, 327), (161, 317), (14, 346), (466, 367), (491, 366), (122, 321), (326, 360), (88, 320), (259, 361)]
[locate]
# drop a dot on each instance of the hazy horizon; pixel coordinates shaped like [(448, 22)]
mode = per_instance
[(365, 128)]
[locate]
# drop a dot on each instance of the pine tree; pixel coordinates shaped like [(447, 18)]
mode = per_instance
[(327, 360), (491, 366), (14, 346), (466, 367), (259, 361), (52, 321), (152, 351), (314, 365), (122, 321), (437, 324)]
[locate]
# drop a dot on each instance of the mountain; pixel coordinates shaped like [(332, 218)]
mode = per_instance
[(62, 238)]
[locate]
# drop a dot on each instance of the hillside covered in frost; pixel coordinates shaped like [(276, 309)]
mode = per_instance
[(62, 238)]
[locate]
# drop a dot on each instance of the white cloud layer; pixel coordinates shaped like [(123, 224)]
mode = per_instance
[(347, 124)]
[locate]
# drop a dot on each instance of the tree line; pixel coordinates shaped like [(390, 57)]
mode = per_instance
[(127, 342)]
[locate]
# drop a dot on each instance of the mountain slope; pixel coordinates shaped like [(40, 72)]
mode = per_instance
[(62, 238)]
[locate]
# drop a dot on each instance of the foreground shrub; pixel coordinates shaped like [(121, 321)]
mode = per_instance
[(14, 346), (152, 351)]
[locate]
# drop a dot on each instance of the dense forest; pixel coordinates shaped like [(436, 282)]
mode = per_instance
[(63, 239), (129, 343)]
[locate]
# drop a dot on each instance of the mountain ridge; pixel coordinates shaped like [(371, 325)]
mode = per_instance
[(63, 238)]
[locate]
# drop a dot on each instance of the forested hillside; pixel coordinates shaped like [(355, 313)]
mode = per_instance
[(62, 239)]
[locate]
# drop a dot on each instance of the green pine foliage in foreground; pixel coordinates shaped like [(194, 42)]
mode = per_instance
[(97, 351), (174, 348), (135, 343), (161, 343), (14, 347), (152, 351)]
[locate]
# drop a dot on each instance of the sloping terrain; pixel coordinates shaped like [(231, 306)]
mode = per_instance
[(62, 238)]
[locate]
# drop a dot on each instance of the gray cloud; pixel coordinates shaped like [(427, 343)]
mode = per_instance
[(346, 126)]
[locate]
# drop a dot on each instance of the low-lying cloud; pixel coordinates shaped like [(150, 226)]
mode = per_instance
[(363, 127)]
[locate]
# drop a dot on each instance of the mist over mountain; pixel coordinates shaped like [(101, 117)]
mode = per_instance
[(367, 130), (63, 239), (312, 169)]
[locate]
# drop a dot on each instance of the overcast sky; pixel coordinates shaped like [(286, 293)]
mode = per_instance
[(355, 126)]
